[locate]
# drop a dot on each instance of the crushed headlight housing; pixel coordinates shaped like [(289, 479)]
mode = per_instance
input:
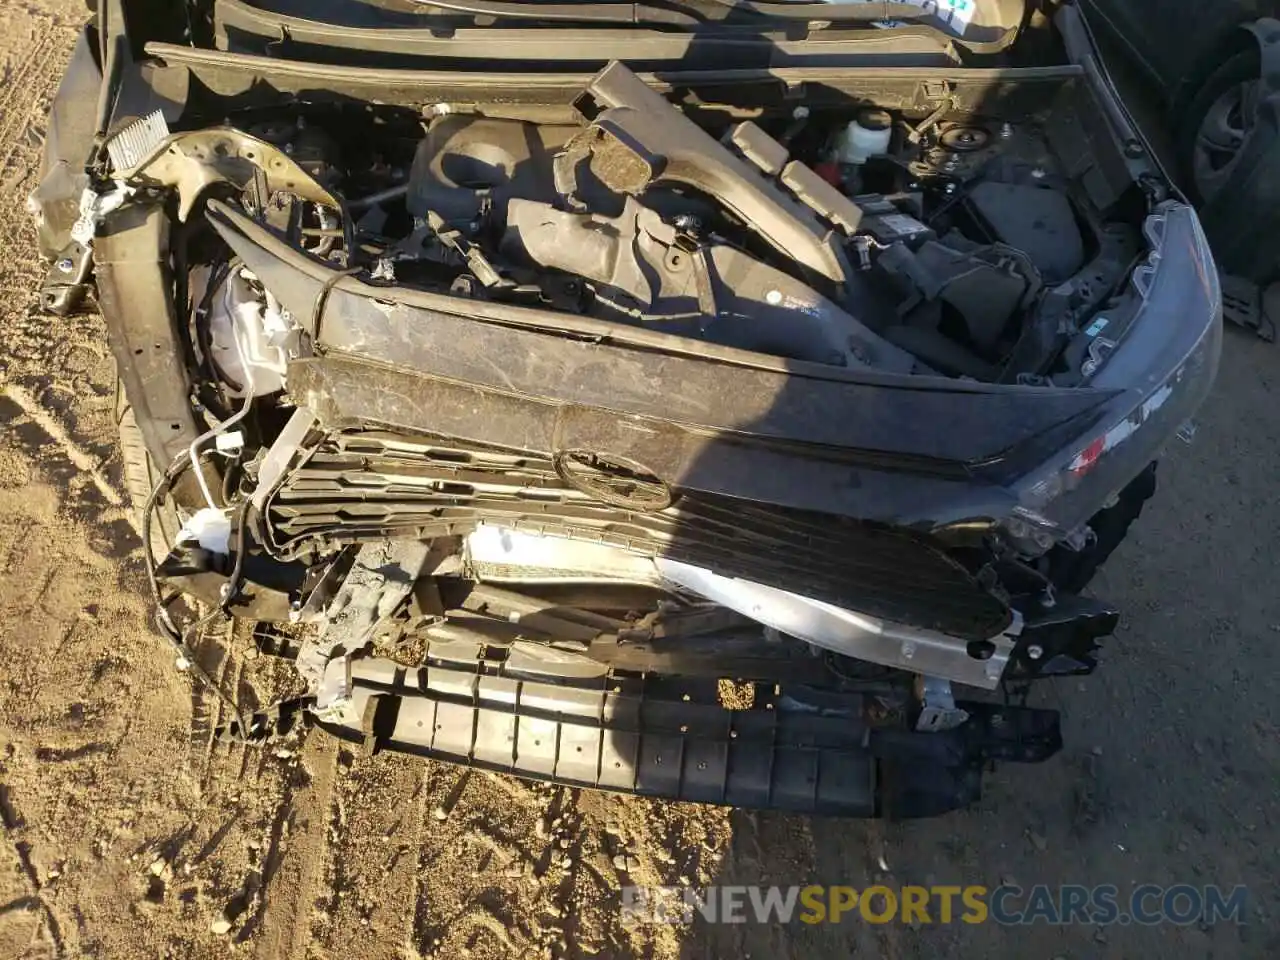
[(1165, 365)]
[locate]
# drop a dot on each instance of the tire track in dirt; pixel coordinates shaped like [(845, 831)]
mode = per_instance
[(294, 869), (476, 877), (33, 79), (375, 829), (82, 460)]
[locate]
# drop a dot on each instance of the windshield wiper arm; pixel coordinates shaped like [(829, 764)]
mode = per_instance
[(638, 12), (864, 11), (588, 12)]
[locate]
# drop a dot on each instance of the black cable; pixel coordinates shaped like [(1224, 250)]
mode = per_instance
[(232, 586), (179, 638), (348, 228), (227, 476), (157, 492), (317, 308)]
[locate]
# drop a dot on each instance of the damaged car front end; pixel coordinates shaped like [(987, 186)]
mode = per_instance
[(675, 418)]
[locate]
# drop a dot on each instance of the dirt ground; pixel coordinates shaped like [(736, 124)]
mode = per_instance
[(126, 835)]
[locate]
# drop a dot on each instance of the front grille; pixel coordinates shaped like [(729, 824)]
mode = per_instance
[(364, 486)]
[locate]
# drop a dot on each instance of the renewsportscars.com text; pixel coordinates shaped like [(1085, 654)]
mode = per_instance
[(1104, 904)]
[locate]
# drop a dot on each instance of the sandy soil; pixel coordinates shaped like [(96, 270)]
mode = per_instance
[(127, 835)]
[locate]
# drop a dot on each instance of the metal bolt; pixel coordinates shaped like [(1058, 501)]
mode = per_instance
[(1039, 173), (1006, 131), (66, 265), (773, 297), (1035, 651), (981, 649), (800, 113), (908, 650)]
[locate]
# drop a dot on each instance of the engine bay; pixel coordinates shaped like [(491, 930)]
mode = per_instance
[(527, 410), (955, 248)]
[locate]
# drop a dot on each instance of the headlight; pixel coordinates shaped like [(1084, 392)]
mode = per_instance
[(1165, 364)]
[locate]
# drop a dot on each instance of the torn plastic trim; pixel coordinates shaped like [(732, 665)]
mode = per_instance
[(135, 293)]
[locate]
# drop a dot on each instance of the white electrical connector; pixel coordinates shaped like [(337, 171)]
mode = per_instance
[(229, 443), (94, 207)]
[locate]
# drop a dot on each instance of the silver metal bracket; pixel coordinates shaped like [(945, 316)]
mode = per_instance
[(938, 706)]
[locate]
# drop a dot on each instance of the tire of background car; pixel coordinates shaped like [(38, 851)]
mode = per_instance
[(1241, 67), (141, 475)]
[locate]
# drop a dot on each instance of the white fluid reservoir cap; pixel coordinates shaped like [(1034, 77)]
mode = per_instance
[(867, 136)]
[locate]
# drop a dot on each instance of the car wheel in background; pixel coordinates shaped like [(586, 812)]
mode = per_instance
[(1217, 124)]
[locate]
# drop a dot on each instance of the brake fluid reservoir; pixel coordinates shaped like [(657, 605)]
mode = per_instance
[(867, 136)]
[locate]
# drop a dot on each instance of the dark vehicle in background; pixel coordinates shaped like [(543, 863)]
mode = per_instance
[(676, 398), (1218, 65)]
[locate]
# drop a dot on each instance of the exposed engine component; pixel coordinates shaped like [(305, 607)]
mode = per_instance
[(889, 221), (642, 217), (980, 268), (466, 166), (646, 270), (1037, 220), (636, 138), (960, 302), (965, 138)]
